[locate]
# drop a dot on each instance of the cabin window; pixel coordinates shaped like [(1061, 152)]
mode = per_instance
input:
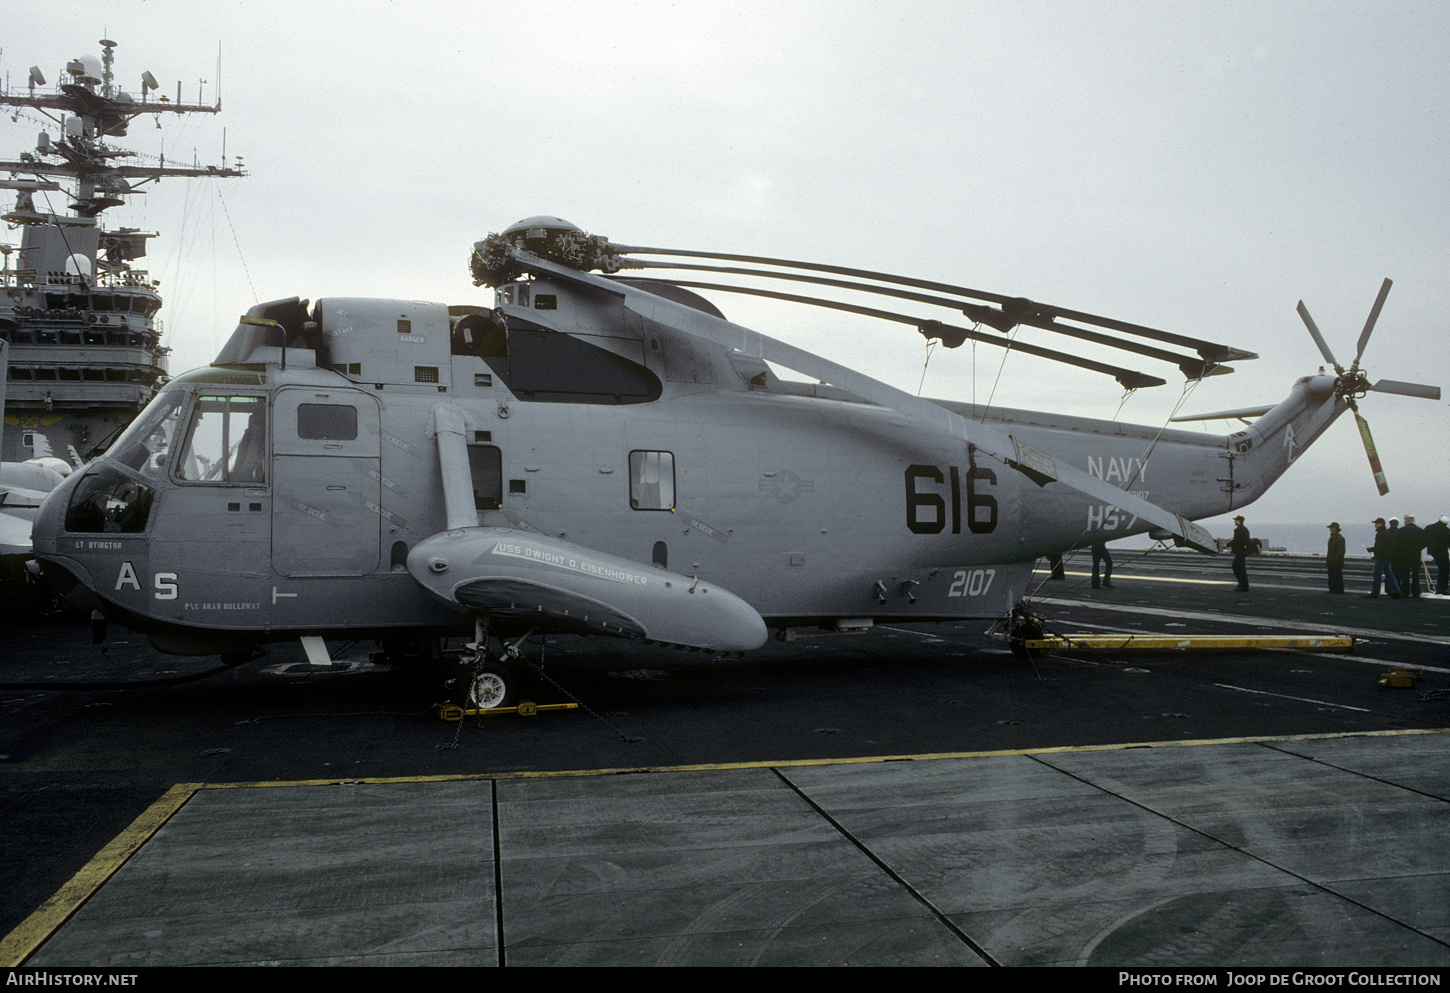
[(652, 480), (327, 421), (485, 465), (226, 441)]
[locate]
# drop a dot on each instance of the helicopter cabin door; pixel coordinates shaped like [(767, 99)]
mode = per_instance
[(325, 519)]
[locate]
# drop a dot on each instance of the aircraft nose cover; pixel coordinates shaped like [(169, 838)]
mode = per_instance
[(518, 575)]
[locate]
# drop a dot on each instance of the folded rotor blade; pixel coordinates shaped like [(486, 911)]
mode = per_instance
[(1319, 338), (1192, 366), (1039, 466), (1012, 308), (1130, 378), (1407, 389), (1209, 351), (1374, 458), (1374, 315)]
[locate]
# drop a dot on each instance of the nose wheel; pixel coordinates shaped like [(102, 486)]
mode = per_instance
[(485, 682), (492, 684)]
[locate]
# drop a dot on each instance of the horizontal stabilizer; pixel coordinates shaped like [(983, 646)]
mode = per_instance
[(1241, 413)]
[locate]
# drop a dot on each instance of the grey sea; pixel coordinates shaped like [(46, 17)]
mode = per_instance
[(1314, 538)]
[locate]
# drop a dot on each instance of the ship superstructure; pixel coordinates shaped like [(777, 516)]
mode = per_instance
[(86, 350)]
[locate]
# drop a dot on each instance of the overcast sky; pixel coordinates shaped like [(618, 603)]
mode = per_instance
[(1196, 168)]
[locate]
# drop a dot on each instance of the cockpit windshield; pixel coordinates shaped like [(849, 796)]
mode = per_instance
[(117, 490), (146, 443), (223, 442)]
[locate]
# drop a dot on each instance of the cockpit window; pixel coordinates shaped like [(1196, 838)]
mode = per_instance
[(146, 443), (109, 500), (226, 441), (116, 492)]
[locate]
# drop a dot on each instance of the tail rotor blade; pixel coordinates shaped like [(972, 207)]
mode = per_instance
[(1374, 458), (1407, 389), (1374, 315), (1319, 338)]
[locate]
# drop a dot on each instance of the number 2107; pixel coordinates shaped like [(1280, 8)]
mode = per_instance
[(972, 582)]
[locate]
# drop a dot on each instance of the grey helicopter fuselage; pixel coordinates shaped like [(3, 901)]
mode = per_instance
[(296, 486)]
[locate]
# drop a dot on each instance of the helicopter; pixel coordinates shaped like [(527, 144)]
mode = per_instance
[(607, 454)]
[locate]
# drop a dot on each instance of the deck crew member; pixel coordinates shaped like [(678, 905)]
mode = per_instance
[(1240, 546), (1103, 559), (1383, 551), (1334, 559), (1408, 545)]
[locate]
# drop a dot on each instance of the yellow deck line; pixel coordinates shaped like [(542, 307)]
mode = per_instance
[(1161, 579), (21, 943), (1109, 642)]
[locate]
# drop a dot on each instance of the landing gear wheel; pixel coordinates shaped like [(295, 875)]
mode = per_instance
[(492, 686)]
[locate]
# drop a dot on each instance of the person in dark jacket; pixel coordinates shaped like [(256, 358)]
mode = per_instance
[(1103, 560), (1437, 543), (1408, 545), (1383, 551), (1334, 559), (1241, 546)]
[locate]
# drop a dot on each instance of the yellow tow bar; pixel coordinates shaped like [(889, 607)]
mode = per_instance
[(526, 708)]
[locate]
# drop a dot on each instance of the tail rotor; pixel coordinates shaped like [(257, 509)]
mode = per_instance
[(1351, 385)]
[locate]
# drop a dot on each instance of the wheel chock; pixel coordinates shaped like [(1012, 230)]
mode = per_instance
[(1401, 678)]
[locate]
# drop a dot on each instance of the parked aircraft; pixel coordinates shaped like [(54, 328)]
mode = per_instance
[(23, 487), (609, 455)]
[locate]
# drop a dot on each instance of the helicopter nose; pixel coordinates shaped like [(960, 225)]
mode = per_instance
[(46, 528), (64, 571)]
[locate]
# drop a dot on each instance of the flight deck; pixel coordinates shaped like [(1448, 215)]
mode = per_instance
[(915, 795)]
